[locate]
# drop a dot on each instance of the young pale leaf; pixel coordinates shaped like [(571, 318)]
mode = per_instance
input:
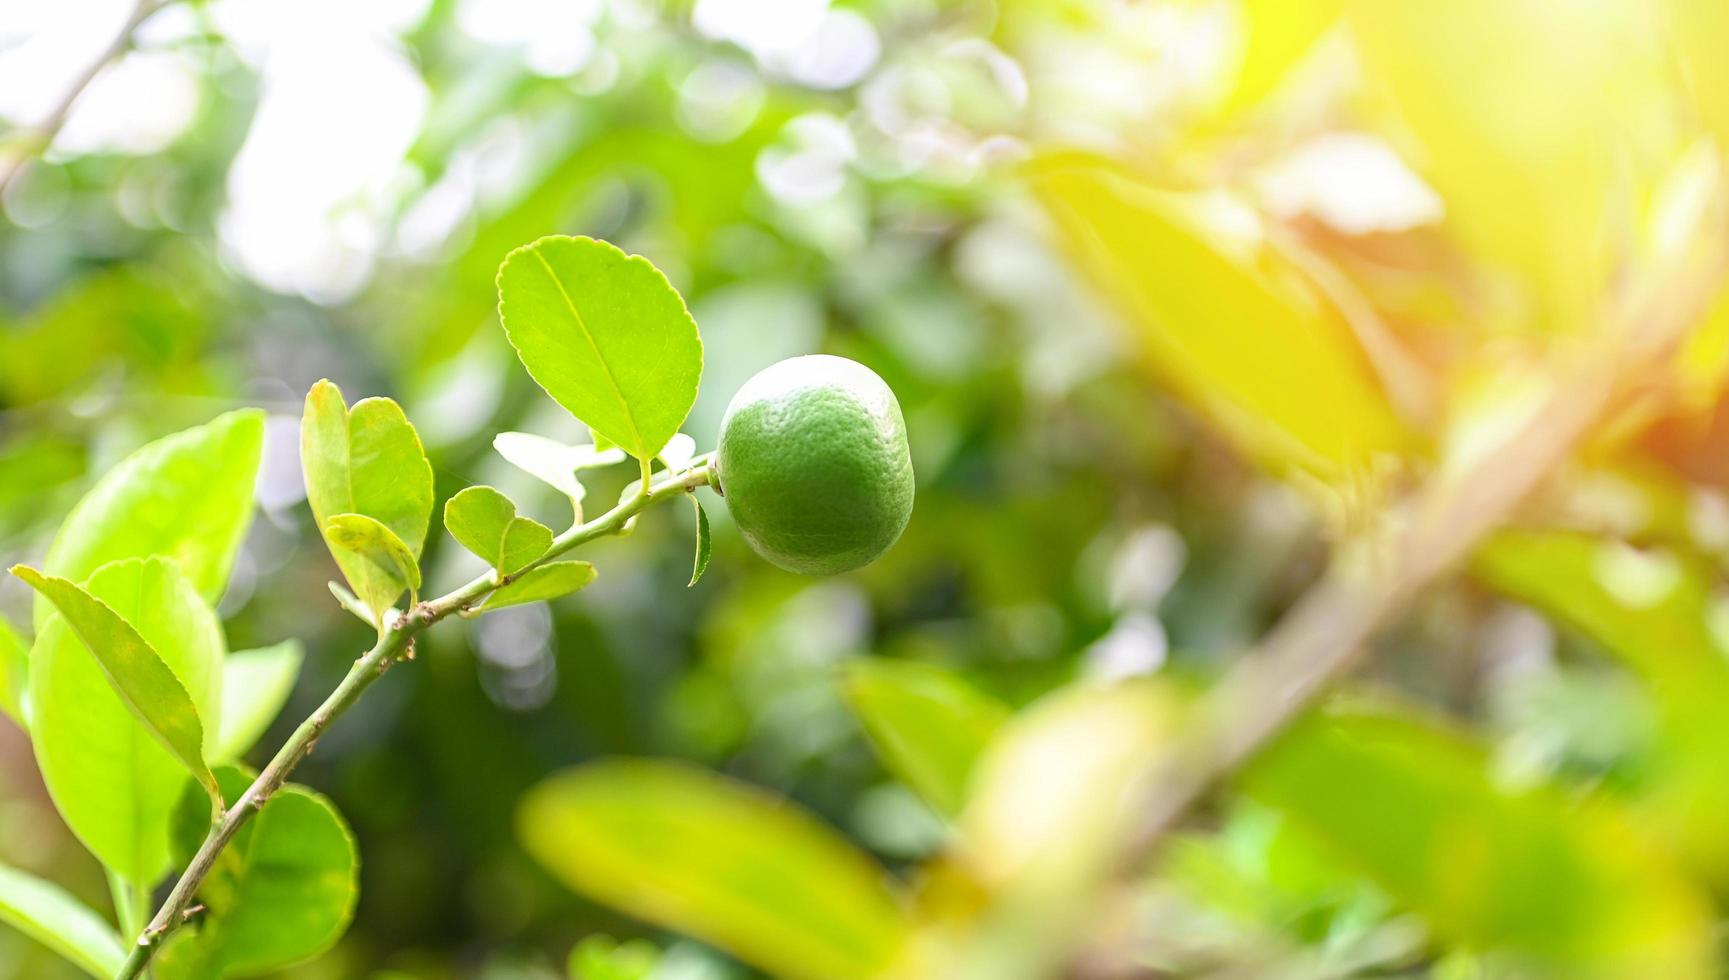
[(606, 335), (147, 685), (553, 462), (719, 860), (255, 686), (704, 546), (485, 522), (549, 581), (281, 893), (678, 452), (1242, 340), (928, 726), (14, 673), (187, 496), (46, 913), (387, 568), (1420, 810), (366, 461), (114, 783)]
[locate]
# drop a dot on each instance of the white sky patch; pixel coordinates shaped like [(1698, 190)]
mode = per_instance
[(813, 168), (1353, 182), (802, 40), (762, 27), (45, 46), (138, 106), (312, 186), (555, 37)]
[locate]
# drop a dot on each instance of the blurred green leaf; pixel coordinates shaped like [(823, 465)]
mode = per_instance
[(704, 546), (387, 568), (1229, 328), (549, 581), (929, 726), (606, 335), (14, 672), (281, 893), (1574, 885), (368, 462), (1653, 611), (604, 958), (723, 862), (485, 522), (187, 497), (44, 911), (255, 686), (116, 728)]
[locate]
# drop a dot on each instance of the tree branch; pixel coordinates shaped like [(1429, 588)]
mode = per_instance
[(1324, 635), (393, 642), (15, 161)]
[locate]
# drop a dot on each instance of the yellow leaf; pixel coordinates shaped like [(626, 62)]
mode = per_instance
[(1228, 325), (1540, 123)]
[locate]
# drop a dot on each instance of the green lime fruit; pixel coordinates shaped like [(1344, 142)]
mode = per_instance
[(814, 466)]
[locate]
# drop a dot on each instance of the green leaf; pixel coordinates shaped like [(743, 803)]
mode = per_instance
[(606, 335), (605, 958), (549, 581), (46, 913), (187, 496), (385, 566), (553, 462), (145, 682), (1653, 611), (1417, 809), (255, 686), (366, 461), (928, 726), (14, 673), (1242, 339), (113, 775), (720, 861), (281, 893), (704, 546), (485, 522)]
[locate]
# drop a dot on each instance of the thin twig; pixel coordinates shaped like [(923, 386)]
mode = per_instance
[(394, 642), (17, 159)]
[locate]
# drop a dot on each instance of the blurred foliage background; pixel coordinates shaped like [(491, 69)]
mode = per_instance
[(1173, 294)]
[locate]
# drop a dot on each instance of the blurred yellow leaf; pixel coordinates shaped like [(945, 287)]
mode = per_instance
[(1700, 29), (1050, 802), (1415, 807), (1231, 327), (1540, 123), (1276, 35), (726, 863)]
